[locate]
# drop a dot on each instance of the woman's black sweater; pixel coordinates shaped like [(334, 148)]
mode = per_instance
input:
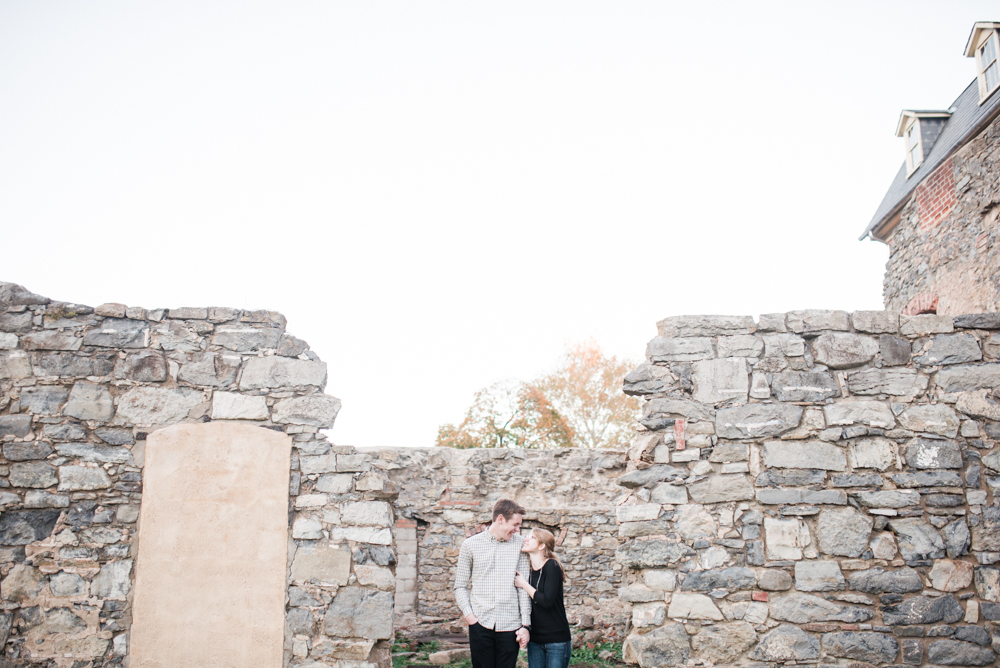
[(548, 614)]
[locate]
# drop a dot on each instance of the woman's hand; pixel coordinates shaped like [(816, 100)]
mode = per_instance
[(519, 581)]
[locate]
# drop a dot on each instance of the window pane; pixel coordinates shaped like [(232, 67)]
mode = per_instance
[(912, 135), (988, 53), (992, 76)]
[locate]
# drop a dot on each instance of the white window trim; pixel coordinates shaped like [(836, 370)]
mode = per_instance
[(980, 72), (914, 158)]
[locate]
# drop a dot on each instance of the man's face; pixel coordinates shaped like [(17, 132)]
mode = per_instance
[(507, 528)]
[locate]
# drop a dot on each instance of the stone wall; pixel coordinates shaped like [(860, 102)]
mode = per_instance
[(945, 251), (815, 487), (81, 388), (447, 495)]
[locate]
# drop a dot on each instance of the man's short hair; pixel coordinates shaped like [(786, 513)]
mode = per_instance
[(507, 508)]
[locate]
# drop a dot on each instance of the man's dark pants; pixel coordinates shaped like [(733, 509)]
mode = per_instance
[(492, 649)]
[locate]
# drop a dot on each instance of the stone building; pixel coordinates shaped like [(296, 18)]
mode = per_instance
[(939, 216)]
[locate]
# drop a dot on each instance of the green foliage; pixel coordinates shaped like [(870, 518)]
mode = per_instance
[(591, 655), (403, 646), (429, 647)]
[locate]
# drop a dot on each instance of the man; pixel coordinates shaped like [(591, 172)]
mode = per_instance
[(499, 615)]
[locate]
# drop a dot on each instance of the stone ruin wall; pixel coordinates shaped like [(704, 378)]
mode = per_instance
[(81, 388), (946, 247), (446, 495), (834, 501)]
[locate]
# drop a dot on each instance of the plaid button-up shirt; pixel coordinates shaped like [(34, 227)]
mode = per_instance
[(490, 565)]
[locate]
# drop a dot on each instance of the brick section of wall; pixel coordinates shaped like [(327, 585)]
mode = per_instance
[(936, 196), (947, 242)]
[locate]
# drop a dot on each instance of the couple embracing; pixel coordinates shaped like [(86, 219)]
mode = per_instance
[(516, 600)]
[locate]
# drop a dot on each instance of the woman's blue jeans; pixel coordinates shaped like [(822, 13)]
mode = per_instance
[(548, 655)]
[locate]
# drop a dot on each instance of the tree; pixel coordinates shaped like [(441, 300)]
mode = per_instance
[(508, 414), (587, 390), (580, 404)]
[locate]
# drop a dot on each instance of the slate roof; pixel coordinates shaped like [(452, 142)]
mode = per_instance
[(968, 118)]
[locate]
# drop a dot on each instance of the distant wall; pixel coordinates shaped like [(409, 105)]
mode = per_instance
[(946, 247), (81, 390), (447, 495), (835, 498)]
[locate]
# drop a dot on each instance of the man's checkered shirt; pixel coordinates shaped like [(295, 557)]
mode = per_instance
[(491, 564)]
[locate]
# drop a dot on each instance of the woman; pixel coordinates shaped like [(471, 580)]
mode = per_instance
[(550, 640)]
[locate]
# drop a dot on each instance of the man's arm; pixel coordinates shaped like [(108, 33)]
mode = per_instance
[(462, 576), (523, 600)]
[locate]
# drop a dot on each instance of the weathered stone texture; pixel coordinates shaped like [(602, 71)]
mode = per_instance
[(80, 389)]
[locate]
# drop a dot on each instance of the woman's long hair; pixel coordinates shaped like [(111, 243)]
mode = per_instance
[(548, 542)]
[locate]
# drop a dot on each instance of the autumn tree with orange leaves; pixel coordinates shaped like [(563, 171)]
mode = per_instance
[(580, 404), (508, 415)]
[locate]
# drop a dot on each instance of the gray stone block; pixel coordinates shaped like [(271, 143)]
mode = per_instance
[(951, 349), (803, 386), (360, 613), (118, 333), (649, 553), (893, 350), (876, 648), (958, 653), (756, 420), (786, 643), (880, 581), (923, 453), (18, 426), (21, 527), (818, 576), (978, 321), (844, 531), (843, 350), (663, 349)]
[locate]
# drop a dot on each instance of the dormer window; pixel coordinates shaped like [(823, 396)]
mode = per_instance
[(984, 46), (919, 130)]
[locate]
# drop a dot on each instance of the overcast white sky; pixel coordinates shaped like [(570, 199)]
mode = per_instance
[(442, 195)]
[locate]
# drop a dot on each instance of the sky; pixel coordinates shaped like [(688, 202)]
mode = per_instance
[(443, 195)]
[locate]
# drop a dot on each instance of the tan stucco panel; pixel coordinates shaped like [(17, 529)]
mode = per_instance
[(211, 566)]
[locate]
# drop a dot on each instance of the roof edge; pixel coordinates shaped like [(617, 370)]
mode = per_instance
[(970, 44), (913, 113)]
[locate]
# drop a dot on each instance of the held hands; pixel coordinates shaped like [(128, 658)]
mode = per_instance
[(519, 581), (522, 636)]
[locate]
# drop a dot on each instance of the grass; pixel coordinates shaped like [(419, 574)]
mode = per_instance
[(591, 655), (423, 651), (584, 656)]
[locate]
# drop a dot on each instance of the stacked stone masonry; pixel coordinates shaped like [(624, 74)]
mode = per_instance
[(80, 390), (945, 251), (446, 495), (815, 487)]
